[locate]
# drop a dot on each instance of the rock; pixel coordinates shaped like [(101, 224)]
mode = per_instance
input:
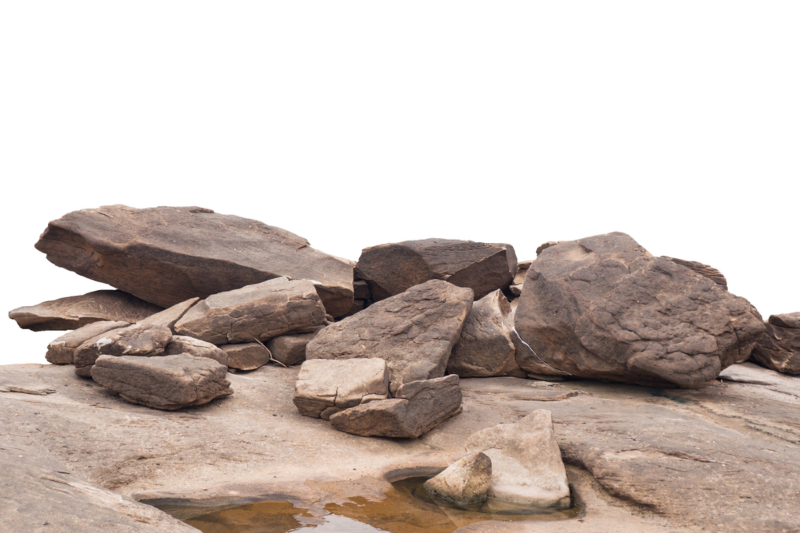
[(779, 347), (62, 350), (464, 482), (545, 246), (168, 317), (526, 462), (247, 356), (413, 331), (256, 312), (519, 279), (327, 387), (705, 270), (166, 255), (391, 269), (136, 340), (485, 347), (195, 347), (418, 407), (16, 381), (77, 311), (290, 349), (358, 305), (604, 308), (168, 383), (361, 290)]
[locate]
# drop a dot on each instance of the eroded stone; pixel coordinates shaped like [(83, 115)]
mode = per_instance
[(327, 387)]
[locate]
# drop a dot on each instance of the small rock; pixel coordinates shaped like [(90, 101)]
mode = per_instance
[(327, 387), (136, 340), (290, 349), (464, 482), (195, 347), (62, 350), (779, 347), (247, 356)]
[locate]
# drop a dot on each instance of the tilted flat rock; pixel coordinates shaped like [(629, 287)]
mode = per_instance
[(390, 269), (327, 387), (464, 482), (418, 407), (168, 317), (519, 279), (142, 340), (195, 347), (168, 382), (413, 331), (166, 255), (290, 349), (74, 312), (247, 356), (256, 312), (526, 461), (62, 350), (603, 307), (779, 347)]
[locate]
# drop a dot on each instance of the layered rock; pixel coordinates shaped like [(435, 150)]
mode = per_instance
[(166, 255), (62, 350), (464, 482), (779, 347), (704, 270), (603, 307), (327, 387), (290, 349), (391, 269), (413, 331), (168, 317), (247, 356), (142, 340), (195, 347)]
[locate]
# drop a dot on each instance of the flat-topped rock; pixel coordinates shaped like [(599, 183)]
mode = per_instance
[(142, 340), (62, 350), (326, 387), (247, 356), (779, 347), (195, 347)]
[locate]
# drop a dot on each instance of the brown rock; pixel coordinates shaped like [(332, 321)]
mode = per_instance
[(166, 255), (62, 350), (327, 387), (195, 347), (247, 356), (519, 279), (464, 482), (290, 349), (358, 305), (708, 271), (779, 347), (168, 317), (361, 290), (136, 340)]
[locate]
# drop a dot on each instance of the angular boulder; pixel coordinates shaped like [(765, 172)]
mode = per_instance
[(779, 347), (391, 269), (603, 307), (290, 349), (464, 482), (62, 350), (195, 347), (327, 387), (413, 331), (166, 255), (141, 340), (168, 382), (417, 408), (74, 312), (247, 356), (519, 279), (256, 312)]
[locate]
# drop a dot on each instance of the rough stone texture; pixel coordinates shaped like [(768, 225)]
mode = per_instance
[(526, 461), (485, 347), (247, 356), (256, 312), (327, 387), (413, 331), (14, 380), (290, 349), (136, 340), (418, 407), (603, 307), (464, 482), (361, 290), (391, 269), (195, 347), (168, 382), (705, 270), (545, 246), (779, 347), (166, 255), (168, 317), (358, 305), (519, 279), (62, 350)]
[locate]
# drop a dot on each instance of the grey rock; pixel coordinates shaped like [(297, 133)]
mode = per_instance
[(327, 387), (62, 350), (247, 356), (142, 340), (290, 349), (195, 347), (779, 347), (464, 482)]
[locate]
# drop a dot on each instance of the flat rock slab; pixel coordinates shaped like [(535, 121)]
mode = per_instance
[(13, 380), (168, 382), (166, 255), (779, 347), (62, 350), (141, 340), (247, 356), (290, 349), (196, 348), (413, 331)]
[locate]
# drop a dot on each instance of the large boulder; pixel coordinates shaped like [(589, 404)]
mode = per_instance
[(327, 387), (74, 312), (62, 350), (603, 307), (464, 482), (168, 382), (195, 347), (142, 340), (247, 356), (390, 269), (254, 313), (779, 347), (413, 331), (166, 255)]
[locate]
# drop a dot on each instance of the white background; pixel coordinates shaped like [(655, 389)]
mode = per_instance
[(359, 123)]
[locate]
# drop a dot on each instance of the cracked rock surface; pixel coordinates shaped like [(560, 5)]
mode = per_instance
[(143, 340)]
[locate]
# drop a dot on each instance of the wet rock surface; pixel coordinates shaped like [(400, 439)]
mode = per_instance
[(779, 347)]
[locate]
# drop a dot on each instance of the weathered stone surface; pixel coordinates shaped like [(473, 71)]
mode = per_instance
[(74, 312), (545, 246), (779, 347), (168, 382), (247, 356), (327, 387), (166, 255), (603, 307), (705, 270), (358, 305), (136, 340), (290, 349), (418, 407), (485, 347), (256, 312), (519, 279), (391, 269), (526, 461), (13, 380), (464, 482), (361, 290), (62, 350), (195, 347), (168, 317), (413, 331)]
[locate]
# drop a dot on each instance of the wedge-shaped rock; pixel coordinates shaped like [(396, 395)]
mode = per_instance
[(247, 356), (413, 331), (290, 349), (519, 279), (141, 340), (779, 347), (526, 461), (390, 269), (195, 347), (62, 350), (256, 312), (418, 407), (74, 312), (168, 317), (168, 382), (327, 387), (604, 308), (166, 255), (464, 482)]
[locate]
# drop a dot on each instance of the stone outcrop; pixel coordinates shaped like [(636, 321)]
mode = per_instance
[(74, 312), (290, 349), (526, 461), (519, 279), (327, 387), (195, 347), (168, 382), (417, 407), (142, 340), (391, 269), (255, 312), (464, 482), (413, 331), (62, 350), (247, 356), (779, 347), (166, 255), (603, 307)]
